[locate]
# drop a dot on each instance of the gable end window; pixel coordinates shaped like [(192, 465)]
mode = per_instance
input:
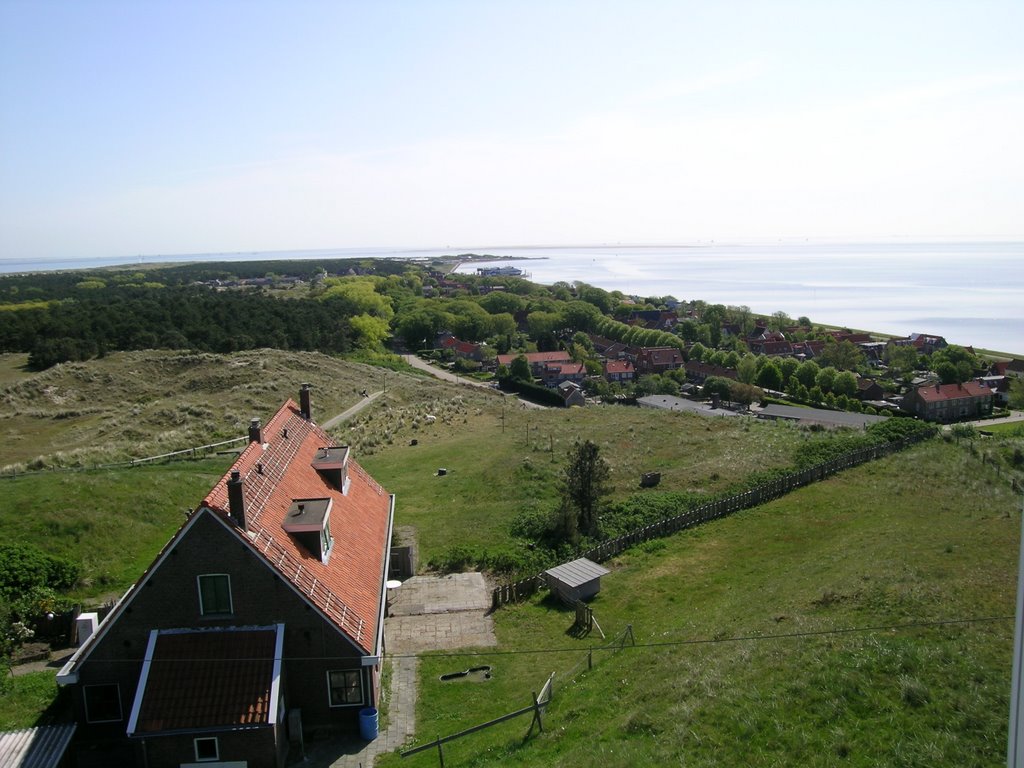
[(215, 594), (102, 703), (207, 749), (345, 687)]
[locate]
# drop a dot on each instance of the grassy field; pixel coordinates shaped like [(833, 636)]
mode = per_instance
[(136, 404), (112, 522), (495, 471), (927, 535)]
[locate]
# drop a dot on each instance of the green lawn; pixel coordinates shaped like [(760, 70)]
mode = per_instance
[(29, 700), (927, 535), (112, 522)]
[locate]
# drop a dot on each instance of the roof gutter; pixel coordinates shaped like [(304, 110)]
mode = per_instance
[(378, 644)]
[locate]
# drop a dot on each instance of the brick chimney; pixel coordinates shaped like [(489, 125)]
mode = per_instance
[(236, 501), (255, 431), (304, 401)]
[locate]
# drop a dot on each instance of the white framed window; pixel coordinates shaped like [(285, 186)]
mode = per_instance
[(345, 687), (207, 749), (326, 541), (102, 703), (215, 594)]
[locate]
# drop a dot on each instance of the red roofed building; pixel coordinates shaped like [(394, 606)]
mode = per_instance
[(465, 349), (537, 360), (659, 359), (772, 346), (618, 371), (554, 374), (946, 403), (808, 349), (264, 610)]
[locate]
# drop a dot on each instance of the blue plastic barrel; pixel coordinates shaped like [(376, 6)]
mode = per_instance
[(368, 723)]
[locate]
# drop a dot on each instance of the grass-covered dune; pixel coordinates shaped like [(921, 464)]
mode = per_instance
[(137, 404), (928, 535)]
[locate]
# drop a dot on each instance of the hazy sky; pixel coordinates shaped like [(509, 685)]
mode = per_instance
[(142, 127)]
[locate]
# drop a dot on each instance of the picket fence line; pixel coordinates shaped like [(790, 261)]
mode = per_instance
[(524, 588)]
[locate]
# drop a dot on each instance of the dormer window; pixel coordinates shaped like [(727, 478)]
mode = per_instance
[(309, 523), (332, 464)]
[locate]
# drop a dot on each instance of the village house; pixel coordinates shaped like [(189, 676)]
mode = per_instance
[(653, 319), (1000, 386), (699, 372), (869, 389), (946, 403), (1010, 369), (658, 359), (537, 360), (464, 350), (850, 336), (774, 347), (553, 374), (571, 394), (618, 371), (924, 343), (261, 618), (612, 350), (807, 350)]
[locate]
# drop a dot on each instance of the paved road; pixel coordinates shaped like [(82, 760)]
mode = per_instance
[(335, 420), (444, 375), (1015, 416)]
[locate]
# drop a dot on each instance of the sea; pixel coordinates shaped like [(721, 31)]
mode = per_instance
[(970, 292)]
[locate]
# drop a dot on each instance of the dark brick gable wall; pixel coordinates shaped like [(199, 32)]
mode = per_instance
[(169, 599)]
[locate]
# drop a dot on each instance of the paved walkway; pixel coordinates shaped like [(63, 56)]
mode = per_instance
[(357, 753), (430, 613), (425, 613), (346, 415)]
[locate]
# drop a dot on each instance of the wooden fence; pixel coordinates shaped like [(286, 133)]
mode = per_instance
[(520, 590), (540, 701), (537, 708)]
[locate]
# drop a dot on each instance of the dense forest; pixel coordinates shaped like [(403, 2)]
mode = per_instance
[(62, 316)]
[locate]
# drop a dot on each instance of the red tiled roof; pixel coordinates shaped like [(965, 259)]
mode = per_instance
[(938, 392), (618, 366), (534, 358), (568, 369), (208, 679), (348, 587), (662, 355)]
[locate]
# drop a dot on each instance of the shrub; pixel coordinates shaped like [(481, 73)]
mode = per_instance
[(455, 559), (23, 568)]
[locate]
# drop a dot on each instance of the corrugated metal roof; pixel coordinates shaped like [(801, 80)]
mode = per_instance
[(577, 573), (41, 747)]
